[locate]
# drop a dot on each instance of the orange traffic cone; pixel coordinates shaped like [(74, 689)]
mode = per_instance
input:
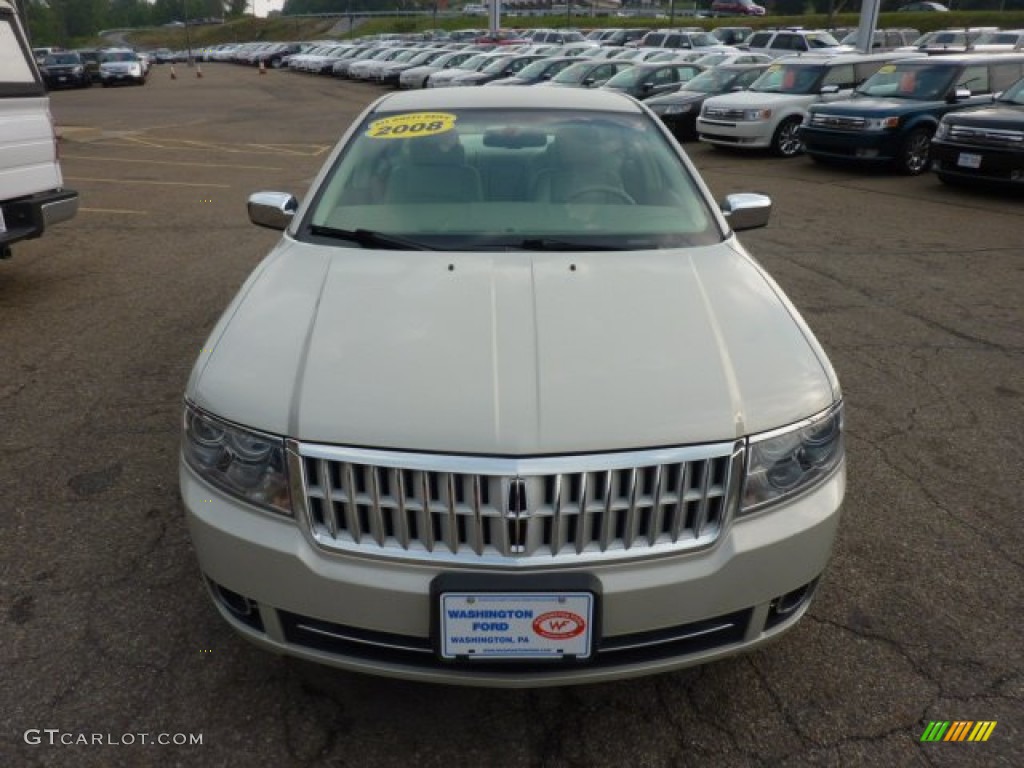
[(174, 75), (199, 70), (263, 67)]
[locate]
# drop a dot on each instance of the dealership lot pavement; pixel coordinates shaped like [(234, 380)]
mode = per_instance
[(914, 290)]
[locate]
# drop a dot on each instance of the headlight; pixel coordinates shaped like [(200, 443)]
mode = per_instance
[(783, 463), (246, 464), (756, 114), (942, 131), (677, 109), (78, 70), (881, 123)]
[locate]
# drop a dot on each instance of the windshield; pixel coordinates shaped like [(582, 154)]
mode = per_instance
[(627, 77), (481, 179), (61, 58), (789, 78), (711, 81), (820, 40), (117, 56), (574, 74), (496, 66), (1014, 94), (703, 40), (921, 83)]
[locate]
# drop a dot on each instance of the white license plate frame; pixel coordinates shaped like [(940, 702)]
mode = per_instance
[(509, 626), (969, 160)]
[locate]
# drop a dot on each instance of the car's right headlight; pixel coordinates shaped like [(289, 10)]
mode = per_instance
[(786, 462), (247, 464)]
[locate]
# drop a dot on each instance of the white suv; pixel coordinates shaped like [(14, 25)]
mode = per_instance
[(32, 197), (768, 114)]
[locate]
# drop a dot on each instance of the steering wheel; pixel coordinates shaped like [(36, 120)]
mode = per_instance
[(600, 189)]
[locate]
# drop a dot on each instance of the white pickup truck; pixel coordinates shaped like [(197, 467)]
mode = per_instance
[(32, 193)]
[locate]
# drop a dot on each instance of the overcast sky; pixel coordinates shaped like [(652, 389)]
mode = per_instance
[(261, 7)]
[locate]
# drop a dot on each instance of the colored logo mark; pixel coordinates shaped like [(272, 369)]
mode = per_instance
[(958, 730)]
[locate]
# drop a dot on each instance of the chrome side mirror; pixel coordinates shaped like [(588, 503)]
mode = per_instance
[(747, 210), (273, 210)]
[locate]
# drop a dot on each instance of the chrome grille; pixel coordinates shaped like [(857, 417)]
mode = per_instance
[(992, 137), (838, 122), (518, 511), (723, 113)]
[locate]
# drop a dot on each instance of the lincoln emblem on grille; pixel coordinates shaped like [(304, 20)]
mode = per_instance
[(517, 511)]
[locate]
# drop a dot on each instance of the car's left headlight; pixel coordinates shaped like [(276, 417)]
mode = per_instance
[(942, 131), (786, 462), (247, 464), (677, 109), (756, 114), (881, 123)]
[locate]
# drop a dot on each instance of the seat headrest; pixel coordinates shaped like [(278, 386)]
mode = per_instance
[(437, 150)]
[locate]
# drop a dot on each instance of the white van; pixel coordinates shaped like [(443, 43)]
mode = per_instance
[(32, 194)]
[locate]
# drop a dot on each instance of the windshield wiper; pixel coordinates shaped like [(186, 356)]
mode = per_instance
[(370, 239), (552, 244)]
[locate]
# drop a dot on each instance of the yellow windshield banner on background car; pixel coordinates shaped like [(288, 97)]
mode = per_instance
[(413, 126)]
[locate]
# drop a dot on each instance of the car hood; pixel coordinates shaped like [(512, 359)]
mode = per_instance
[(757, 99), (874, 106), (677, 97), (997, 114), (511, 353)]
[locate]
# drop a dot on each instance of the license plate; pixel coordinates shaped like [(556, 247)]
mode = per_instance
[(969, 160), (61, 78), (520, 625)]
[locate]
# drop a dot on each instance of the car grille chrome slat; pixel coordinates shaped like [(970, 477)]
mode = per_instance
[(838, 122), (517, 512), (723, 113), (994, 137)]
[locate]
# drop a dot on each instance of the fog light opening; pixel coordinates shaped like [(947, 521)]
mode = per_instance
[(785, 606), (239, 606)]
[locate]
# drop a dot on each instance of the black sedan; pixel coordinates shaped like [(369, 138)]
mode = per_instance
[(648, 80), (587, 73), (500, 68), (539, 71), (679, 110), (65, 70)]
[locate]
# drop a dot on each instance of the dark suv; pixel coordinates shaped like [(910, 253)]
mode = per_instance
[(984, 144), (64, 70), (891, 118)]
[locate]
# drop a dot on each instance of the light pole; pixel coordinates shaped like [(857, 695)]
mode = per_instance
[(188, 40)]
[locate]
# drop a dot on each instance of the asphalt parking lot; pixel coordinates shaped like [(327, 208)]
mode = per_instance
[(914, 290)]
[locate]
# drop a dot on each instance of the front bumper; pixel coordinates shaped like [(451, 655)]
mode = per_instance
[(852, 146), (277, 588), (993, 164), (752, 134)]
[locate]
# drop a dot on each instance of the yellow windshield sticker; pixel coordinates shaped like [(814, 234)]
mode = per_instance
[(774, 68), (887, 69), (412, 126)]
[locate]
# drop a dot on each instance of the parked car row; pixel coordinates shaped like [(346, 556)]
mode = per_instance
[(106, 66), (880, 108)]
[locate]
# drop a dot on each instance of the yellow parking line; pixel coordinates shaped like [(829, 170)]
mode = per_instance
[(113, 210), (154, 183), (65, 155)]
